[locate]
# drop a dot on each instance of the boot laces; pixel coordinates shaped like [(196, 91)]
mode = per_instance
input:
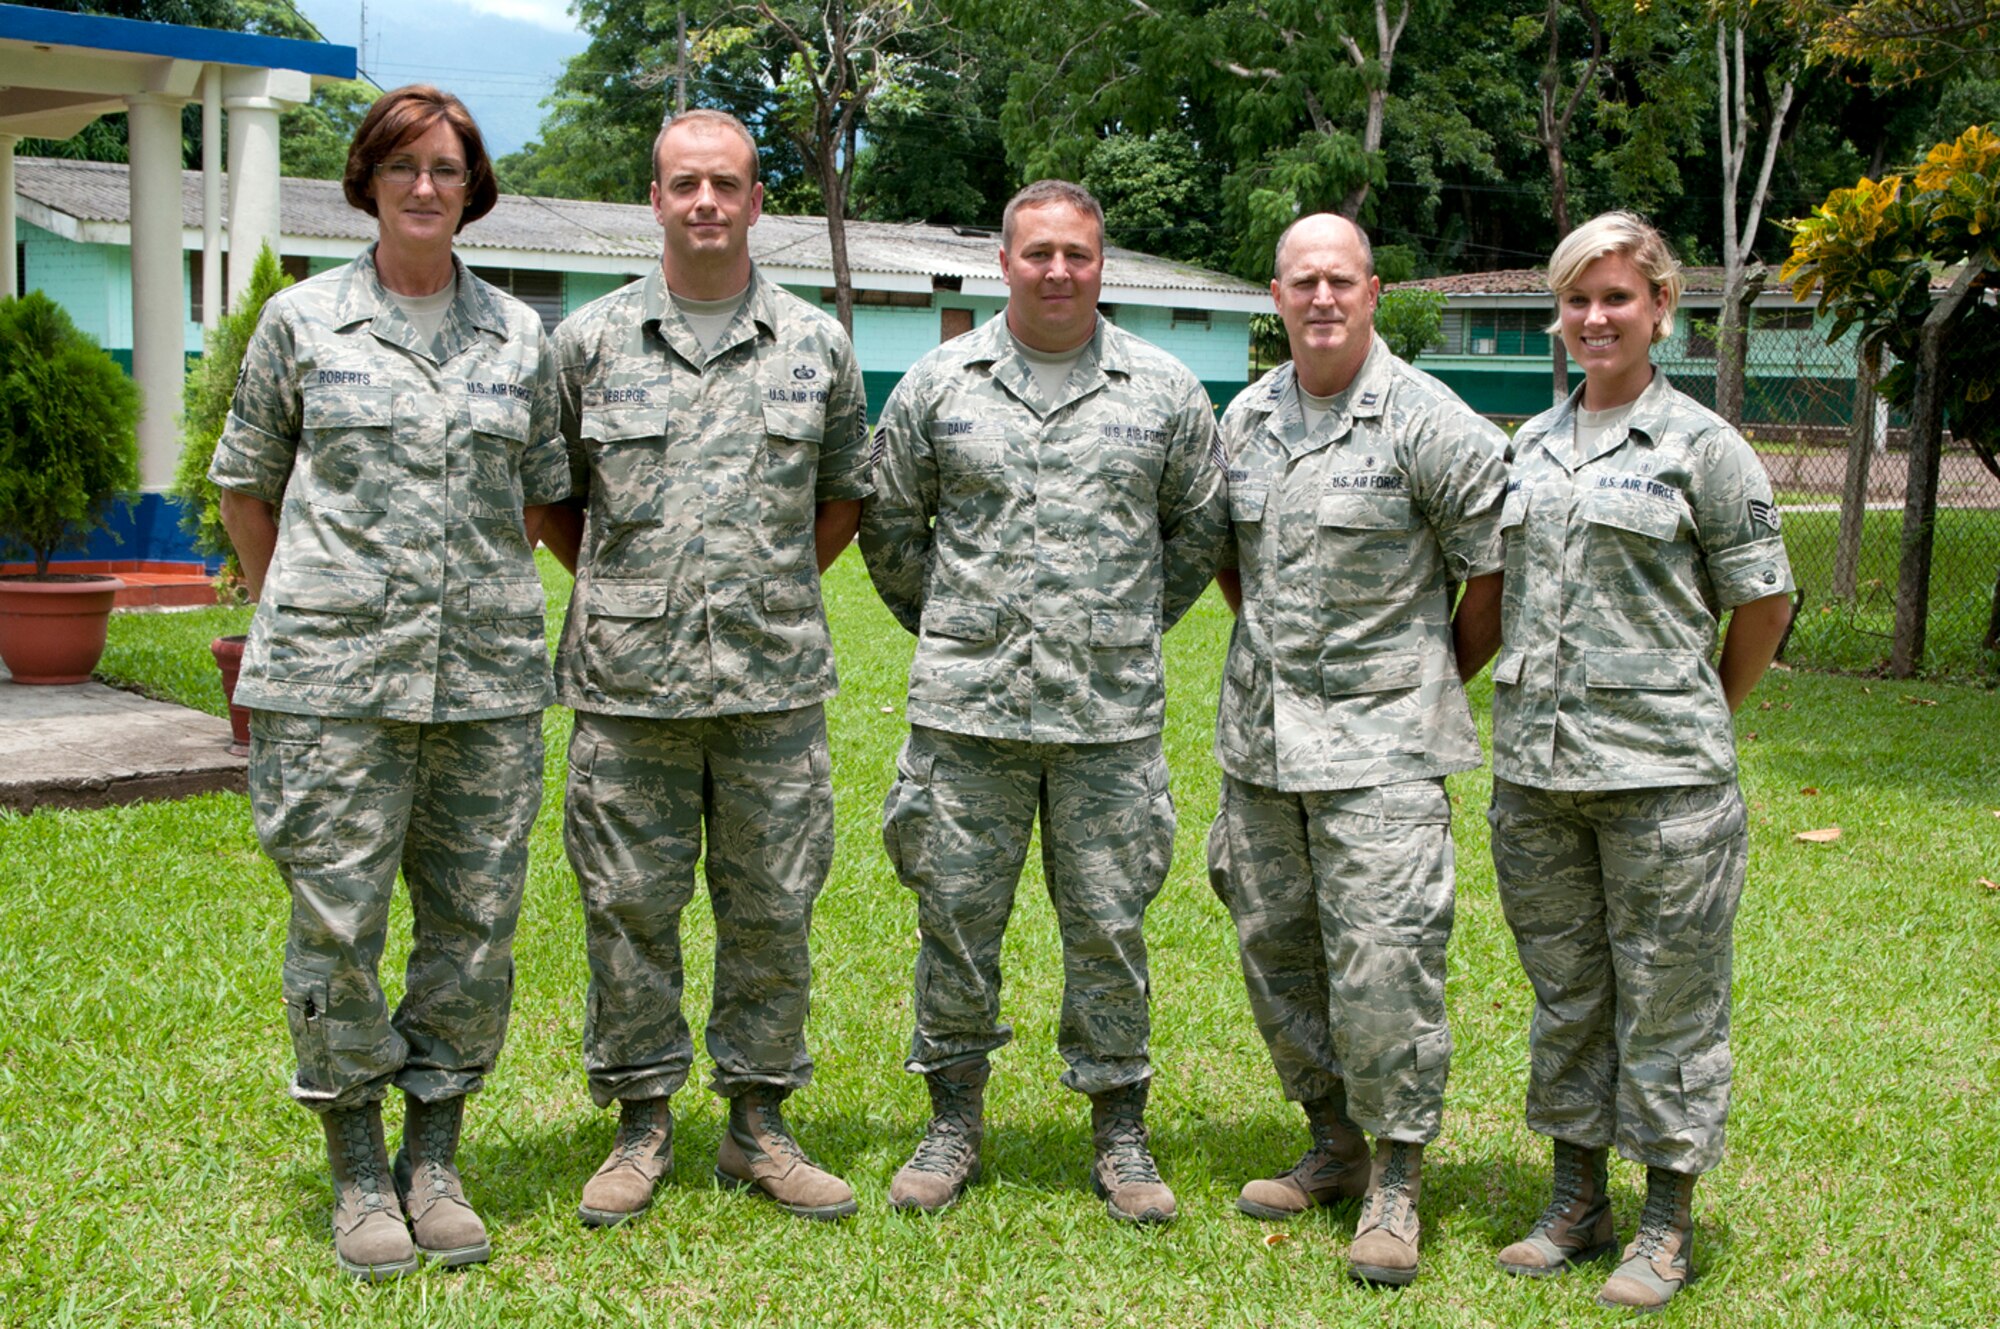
[(1126, 1151), (364, 1160), (1656, 1221), (635, 1135), (777, 1136), (944, 1148), (1568, 1186), (1394, 1193)]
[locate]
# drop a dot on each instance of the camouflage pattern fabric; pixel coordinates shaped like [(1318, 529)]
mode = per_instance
[(640, 793), (697, 593), (339, 805), (1343, 907), (1619, 564), (956, 825), (1340, 672), (403, 586), (1622, 904), (1039, 548)]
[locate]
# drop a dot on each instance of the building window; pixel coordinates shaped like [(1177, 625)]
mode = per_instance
[(538, 290), (21, 269), (1783, 320), (953, 323), (1700, 336), (881, 299), (1451, 334), (1192, 318), (1506, 332)]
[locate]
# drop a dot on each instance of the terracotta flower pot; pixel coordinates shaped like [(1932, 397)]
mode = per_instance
[(228, 653), (52, 628)]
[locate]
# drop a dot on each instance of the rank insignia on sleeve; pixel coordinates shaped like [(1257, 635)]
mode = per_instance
[(1763, 514)]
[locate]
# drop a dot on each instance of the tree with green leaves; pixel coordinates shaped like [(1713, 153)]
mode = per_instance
[(205, 400), (1869, 252)]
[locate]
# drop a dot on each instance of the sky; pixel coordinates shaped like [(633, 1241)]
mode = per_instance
[(500, 56)]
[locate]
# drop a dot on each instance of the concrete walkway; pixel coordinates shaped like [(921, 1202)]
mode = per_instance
[(90, 746)]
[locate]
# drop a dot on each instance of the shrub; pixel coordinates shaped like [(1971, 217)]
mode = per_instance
[(69, 421), (211, 385)]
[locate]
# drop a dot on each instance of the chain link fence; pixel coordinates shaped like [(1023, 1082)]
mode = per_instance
[(1845, 542)]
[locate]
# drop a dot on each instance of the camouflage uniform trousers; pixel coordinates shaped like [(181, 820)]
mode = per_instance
[(340, 805), (1622, 904), (957, 823), (640, 793), (1343, 908)]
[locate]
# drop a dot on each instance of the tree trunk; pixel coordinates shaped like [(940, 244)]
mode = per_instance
[(1913, 578), (1854, 493), (1558, 367), (834, 193), (1732, 345)]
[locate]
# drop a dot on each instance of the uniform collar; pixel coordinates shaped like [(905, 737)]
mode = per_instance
[(1367, 398), (993, 345), (758, 314), (363, 299), (1650, 410)]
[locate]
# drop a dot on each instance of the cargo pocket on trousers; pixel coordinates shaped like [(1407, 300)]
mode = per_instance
[(904, 812), (1160, 851), (1702, 862), (284, 754), (1705, 1081), (305, 1012)]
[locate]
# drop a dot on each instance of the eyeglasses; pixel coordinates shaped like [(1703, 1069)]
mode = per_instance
[(445, 175)]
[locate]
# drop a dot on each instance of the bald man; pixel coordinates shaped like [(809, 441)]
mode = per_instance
[(1362, 495)]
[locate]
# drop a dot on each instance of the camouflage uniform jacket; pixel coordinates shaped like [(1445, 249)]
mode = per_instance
[(1619, 565), (697, 593), (402, 587), (1038, 549), (1341, 673)]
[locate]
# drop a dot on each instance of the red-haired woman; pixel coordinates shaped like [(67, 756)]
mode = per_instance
[(391, 449)]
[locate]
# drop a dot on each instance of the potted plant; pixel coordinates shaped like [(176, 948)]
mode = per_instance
[(205, 399), (69, 446)]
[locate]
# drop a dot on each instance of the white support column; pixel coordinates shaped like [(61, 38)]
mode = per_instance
[(10, 280), (211, 195), (158, 312), (253, 184)]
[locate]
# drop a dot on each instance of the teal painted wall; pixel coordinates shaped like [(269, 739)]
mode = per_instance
[(580, 288)]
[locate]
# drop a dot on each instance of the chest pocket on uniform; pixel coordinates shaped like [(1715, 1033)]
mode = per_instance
[(628, 465), (1654, 518), (1365, 511), (1246, 501), (485, 476), (347, 434), (792, 437)]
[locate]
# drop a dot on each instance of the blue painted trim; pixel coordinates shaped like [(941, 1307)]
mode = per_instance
[(145, 527), (209, 45)]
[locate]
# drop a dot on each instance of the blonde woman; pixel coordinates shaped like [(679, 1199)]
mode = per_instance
[(1635, 520)]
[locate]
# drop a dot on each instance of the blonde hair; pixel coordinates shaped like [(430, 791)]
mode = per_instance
[(1623, 233)]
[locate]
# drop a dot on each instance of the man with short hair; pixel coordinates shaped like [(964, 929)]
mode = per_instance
[(1362, 492), (1046, 505), (718, 440)]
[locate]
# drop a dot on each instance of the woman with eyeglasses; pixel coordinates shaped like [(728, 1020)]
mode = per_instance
[(389, 455), (1635, 519)]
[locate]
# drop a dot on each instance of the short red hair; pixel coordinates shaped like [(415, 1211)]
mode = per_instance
[(410, 113)]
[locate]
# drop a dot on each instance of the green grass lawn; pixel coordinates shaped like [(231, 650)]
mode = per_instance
[(152, 1169), (1857, 634)]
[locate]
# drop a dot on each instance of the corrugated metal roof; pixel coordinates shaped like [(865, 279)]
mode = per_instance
[(1697, 281), (98, 192)]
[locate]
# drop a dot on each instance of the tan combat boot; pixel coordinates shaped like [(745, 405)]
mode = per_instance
[(369, 1236), (1660, 1260), (1385, 1237), (642, 1154), (1334, 1169), (446, 1228), (1576, 1226), (1123, 1171), (758, 1152), (947, 1158)]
